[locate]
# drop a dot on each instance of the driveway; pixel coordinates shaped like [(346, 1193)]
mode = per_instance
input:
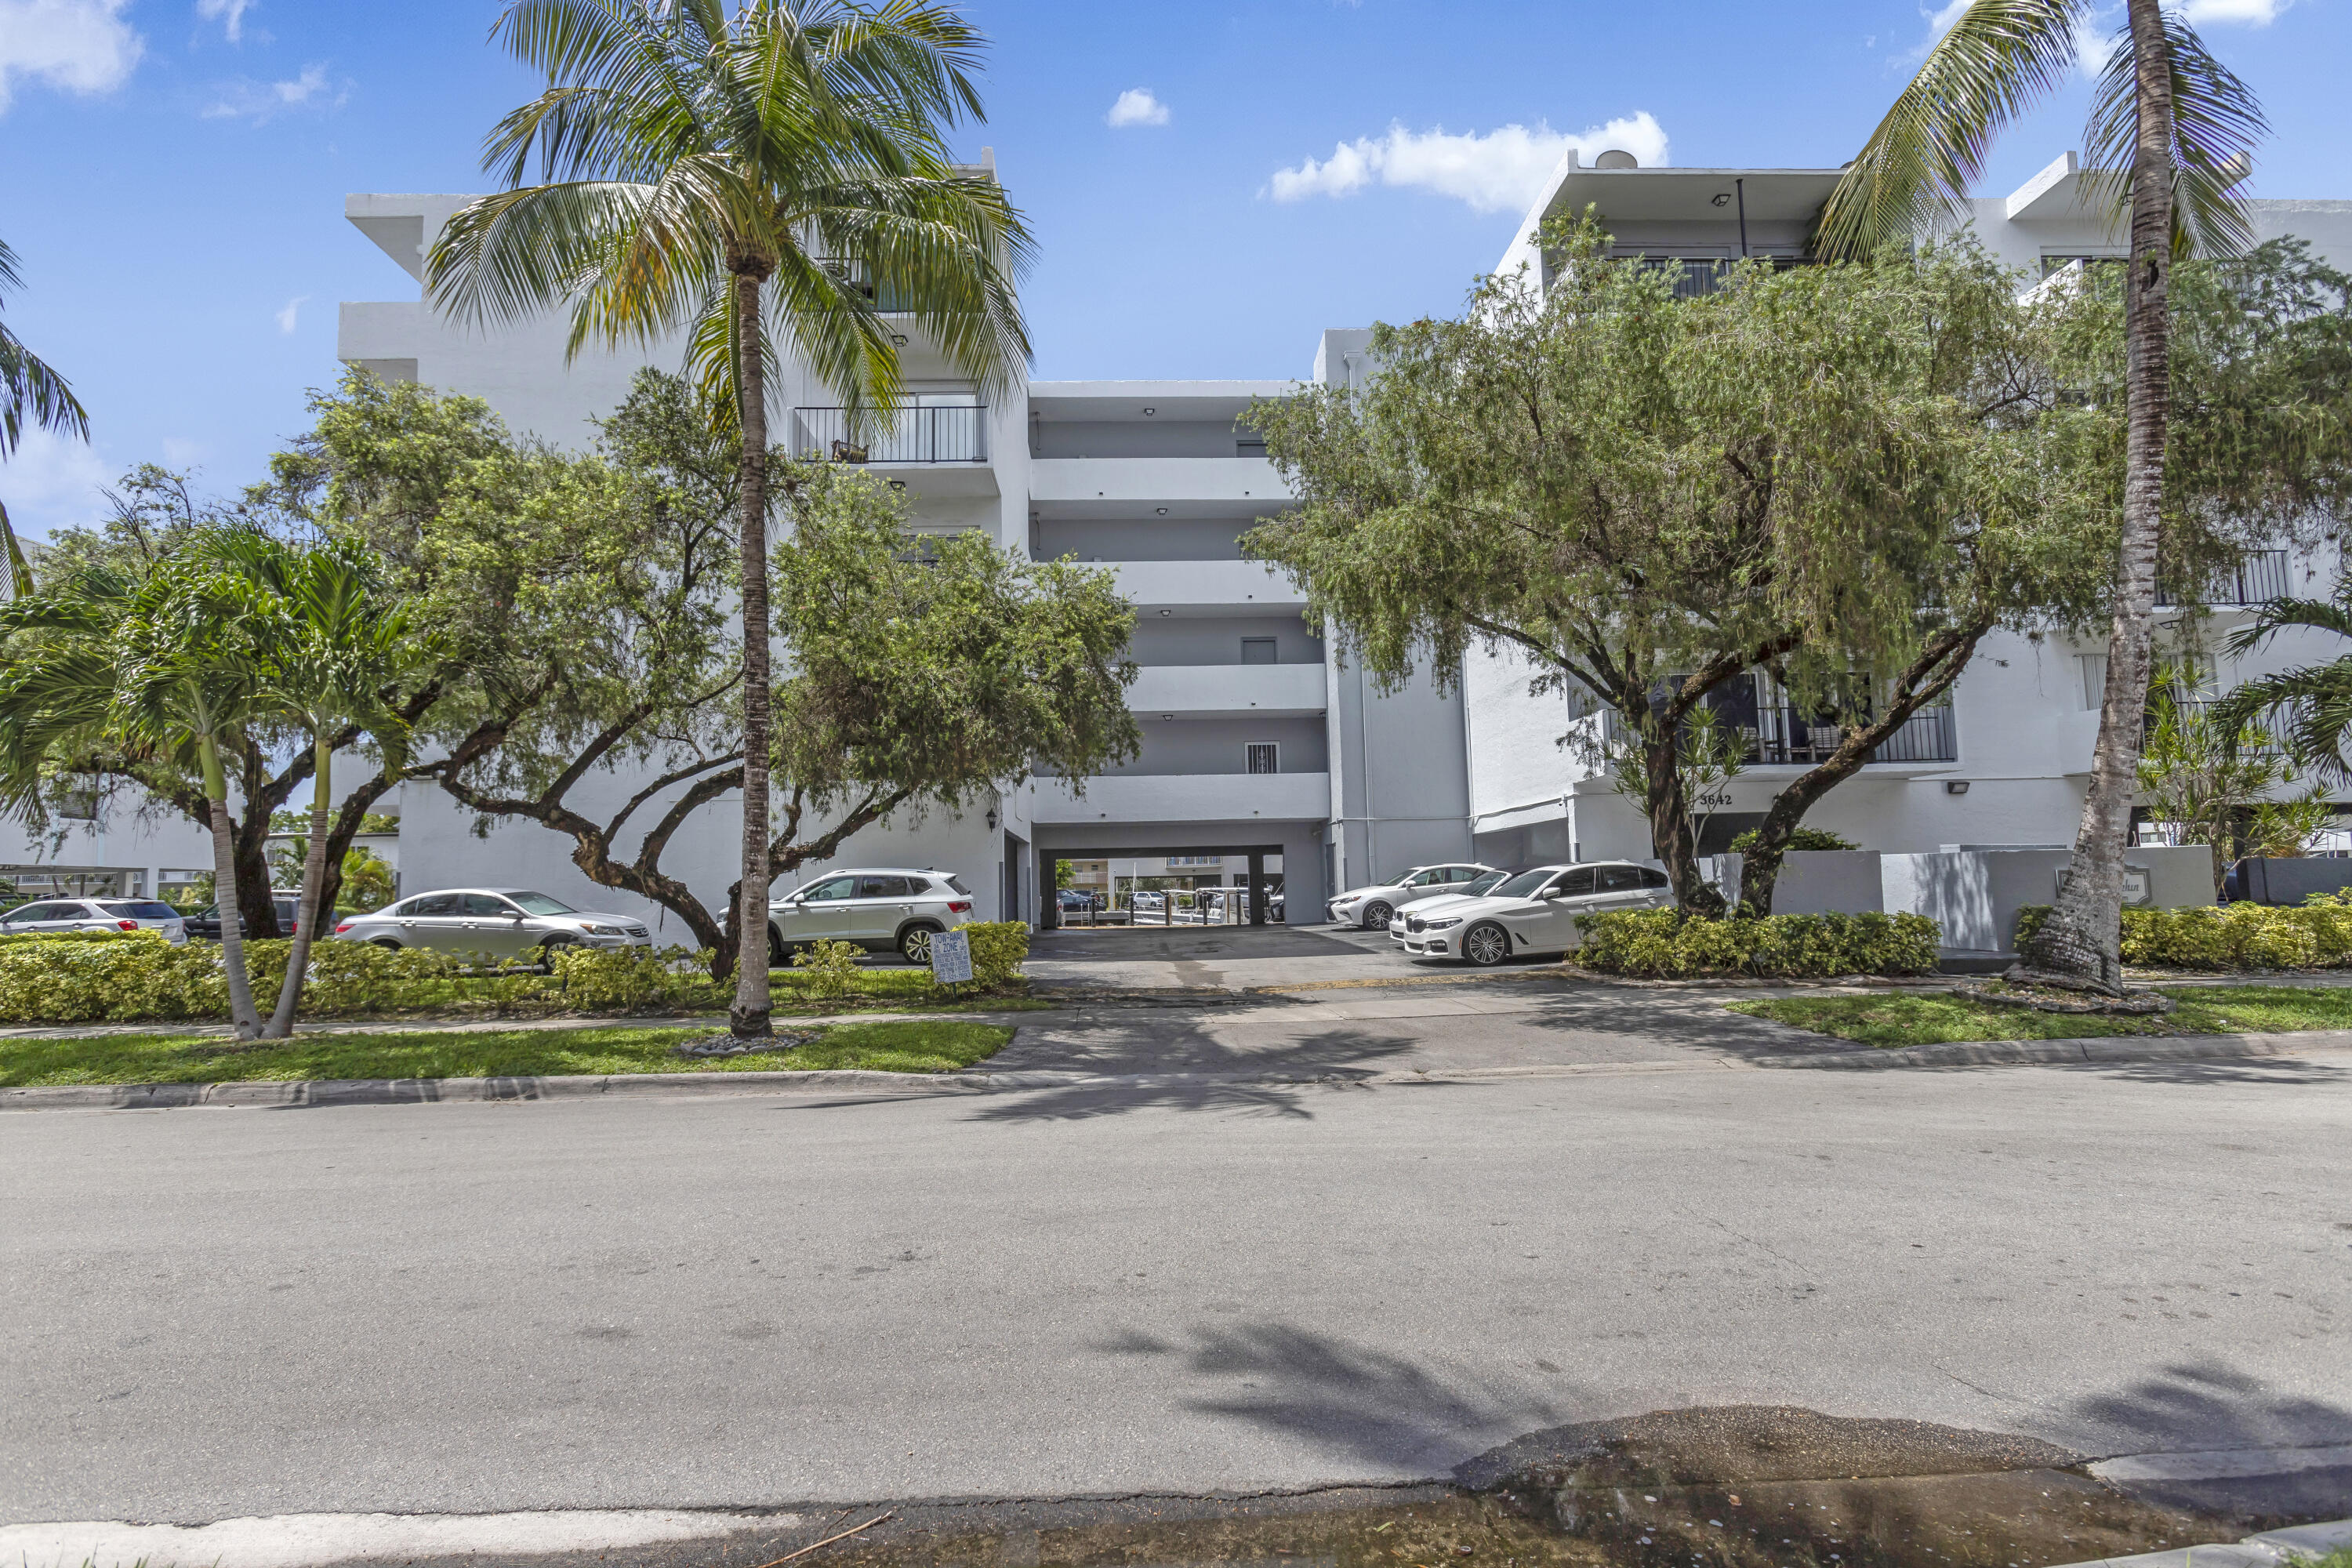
[(1221, 957)]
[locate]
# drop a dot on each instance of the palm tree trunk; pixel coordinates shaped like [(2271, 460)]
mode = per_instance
[(2079, 945), (749, 1014), (242, 1015), (314, 881)]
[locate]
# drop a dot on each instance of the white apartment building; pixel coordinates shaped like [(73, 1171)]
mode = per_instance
[(1259, 748), (2008, 762)]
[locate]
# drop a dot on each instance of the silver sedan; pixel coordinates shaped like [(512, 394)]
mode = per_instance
[(500, 922)]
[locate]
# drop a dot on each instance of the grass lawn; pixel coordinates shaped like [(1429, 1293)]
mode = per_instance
[(914, 1045), (1912, 1018)]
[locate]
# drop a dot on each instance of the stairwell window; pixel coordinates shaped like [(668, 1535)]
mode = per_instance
[(1262, 757)]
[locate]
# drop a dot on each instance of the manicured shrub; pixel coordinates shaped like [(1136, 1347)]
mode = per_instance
[(2316, 934), (1665, 945), (999, 948), (830, 967), (1798, 839)]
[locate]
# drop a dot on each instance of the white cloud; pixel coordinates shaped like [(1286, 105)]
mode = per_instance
[(2254, 13), (290, 312), (1501, 171), (260, 100), (229, 14), (1136, 106), (50, 482), (79, 45)]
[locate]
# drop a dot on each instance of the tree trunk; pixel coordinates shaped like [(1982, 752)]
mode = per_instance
[(2079, 947), (242, 1015), (1929, 676), (250, 852), (314, 881), (749, 1017), (1670, 823)]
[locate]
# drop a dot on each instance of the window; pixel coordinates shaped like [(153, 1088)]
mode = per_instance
[(881, 886), (484, 906), (1262, 757), (41, 912), (1653, 877), (957, 883), (1621, 878), (832, 888), (1525, 883), (432, 904), (1574, 883), (1428, 879), (2094, 678), (142, 910), (1258, 651), (540, 904), (1463, 873)]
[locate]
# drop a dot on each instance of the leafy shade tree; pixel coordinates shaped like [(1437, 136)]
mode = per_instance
[(925, 673), (2211, 776), (1647, 498), (34, 395), (167, 667), (690, 156), (333, 647), (2170, 134)]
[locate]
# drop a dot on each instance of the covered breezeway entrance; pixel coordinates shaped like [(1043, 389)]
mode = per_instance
[(1253, 902)]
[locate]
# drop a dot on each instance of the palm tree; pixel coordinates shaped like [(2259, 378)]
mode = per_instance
[(2169, 139), (688, 159), (163, 667), (30, 392), (331, 643), (2310, 707)]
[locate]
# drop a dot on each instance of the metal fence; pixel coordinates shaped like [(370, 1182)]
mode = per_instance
[(2259, 576), (1784, 736), (1696, 275), (953, 434)]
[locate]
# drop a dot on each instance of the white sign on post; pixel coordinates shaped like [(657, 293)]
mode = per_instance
[(950, 957)]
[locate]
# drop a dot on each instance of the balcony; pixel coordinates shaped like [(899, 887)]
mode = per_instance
[(1184, 798), (1696, 275), (951, 434), (1121, 486), (1783, 737), (1205, 586), (1229, 690), (2259, 576)]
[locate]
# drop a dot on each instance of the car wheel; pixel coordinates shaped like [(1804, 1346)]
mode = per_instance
[(1377, 916), (778, 953), (915, 945), (1486, 945), (384, 942)]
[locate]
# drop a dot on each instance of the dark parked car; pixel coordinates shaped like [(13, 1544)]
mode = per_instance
[(204, 925)]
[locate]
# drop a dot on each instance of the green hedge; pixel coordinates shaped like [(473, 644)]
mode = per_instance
[(1668, 944), (73, 977), (2316, 934)]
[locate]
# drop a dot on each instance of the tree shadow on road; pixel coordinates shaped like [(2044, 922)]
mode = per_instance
[(2206, 1406), (2283, 1071), (1207, 1075), (1408, 1417)]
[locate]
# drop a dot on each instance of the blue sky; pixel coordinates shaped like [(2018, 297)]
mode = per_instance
[(1211, 183)]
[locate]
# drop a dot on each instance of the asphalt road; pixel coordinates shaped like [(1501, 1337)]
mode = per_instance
[(763, 1302)]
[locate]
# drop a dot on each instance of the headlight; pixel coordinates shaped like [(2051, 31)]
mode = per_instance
[(1441, 924), (603, 930)]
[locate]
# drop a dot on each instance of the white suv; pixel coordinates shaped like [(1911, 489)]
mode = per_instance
[(879, 907), (96, 914)]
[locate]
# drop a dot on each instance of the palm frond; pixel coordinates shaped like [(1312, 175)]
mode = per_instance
[(2216, 122), (1996, 62), (2320, 614), (31, 390)]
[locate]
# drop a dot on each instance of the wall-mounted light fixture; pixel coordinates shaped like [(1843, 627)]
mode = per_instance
[(1167, 612), (992, 819), (1150, 412), (1723, 198), (1956, 786), (1164, 718), (1162, 510)]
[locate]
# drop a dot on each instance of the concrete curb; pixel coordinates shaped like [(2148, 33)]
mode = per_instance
[(2269, 1550), (2108, 1051), (2102, 1049)]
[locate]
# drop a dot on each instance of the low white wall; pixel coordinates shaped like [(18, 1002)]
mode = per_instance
[(1815, 882), (1975, 894)]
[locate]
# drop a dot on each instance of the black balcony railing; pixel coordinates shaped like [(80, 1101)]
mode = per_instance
[(1696, 275), (885, 297), (954, 434), (1783, 737), (2259, 576)]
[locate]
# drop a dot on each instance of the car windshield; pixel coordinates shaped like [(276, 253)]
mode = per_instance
[(957, 883), (1525, 883), (1485, 885), (141, 909), (540, 904)]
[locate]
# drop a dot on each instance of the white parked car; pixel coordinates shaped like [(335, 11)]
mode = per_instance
[(1534, 912), (1478, 888), (1373, 908), (96, 914), (498, 923), (881, 907)]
